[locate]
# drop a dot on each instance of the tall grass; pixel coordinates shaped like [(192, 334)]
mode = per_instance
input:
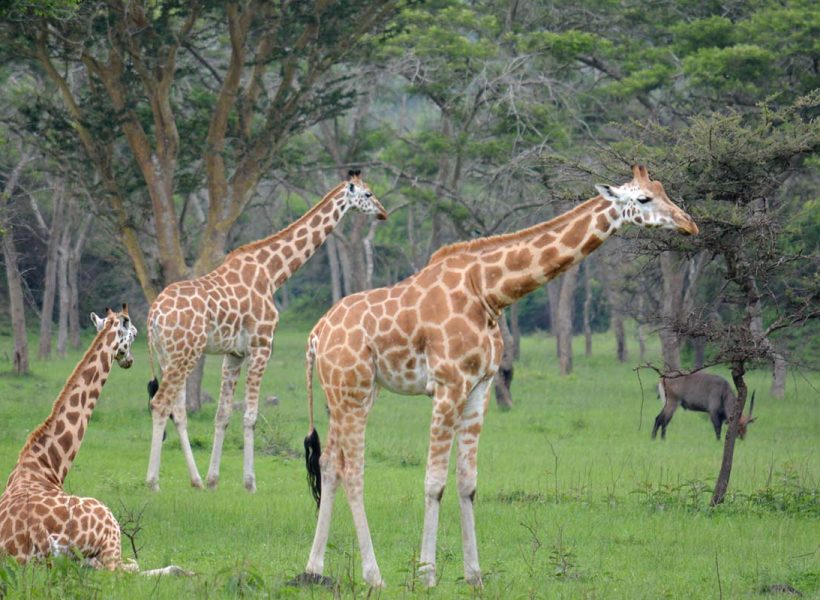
[(574, 499)]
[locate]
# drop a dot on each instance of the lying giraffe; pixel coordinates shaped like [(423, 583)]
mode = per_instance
[(437, 333), (230, 311), (37, 518)]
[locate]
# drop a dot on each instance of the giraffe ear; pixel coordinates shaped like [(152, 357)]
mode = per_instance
[(98, 322), (607, 192)]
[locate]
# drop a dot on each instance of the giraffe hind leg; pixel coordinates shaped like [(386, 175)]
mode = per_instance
[(231, 366), (330, 478)]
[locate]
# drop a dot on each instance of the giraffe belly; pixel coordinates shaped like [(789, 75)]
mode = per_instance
[(227, 342), (405, 375)]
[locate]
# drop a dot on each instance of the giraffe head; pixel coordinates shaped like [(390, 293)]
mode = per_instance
[(644, 202), (125, 333), (357, 195)]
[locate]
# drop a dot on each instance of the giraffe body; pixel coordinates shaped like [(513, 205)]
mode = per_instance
[(436, 333), (230, 311), (37, 518)]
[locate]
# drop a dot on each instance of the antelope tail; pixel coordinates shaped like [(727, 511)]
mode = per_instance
[(313, 448)]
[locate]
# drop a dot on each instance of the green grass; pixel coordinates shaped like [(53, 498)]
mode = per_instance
[(574, 499)]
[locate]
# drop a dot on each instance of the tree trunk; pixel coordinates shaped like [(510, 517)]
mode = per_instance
[(193, 387), (621, 350), (722, 483), (515, 331), (16, 306), (699, 348), (50, 278), (563, 326), (335, 271), (642, 328), (64, 293), (587, 307), (74, 259), (503, 379), (673, 279), (17, 310), (73, 303), (779, 370), (358, 264), (553, 293)]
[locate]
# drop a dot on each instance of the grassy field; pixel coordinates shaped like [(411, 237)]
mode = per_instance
[(574, 499)]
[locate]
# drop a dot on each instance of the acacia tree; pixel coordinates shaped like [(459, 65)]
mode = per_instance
[(237, 78)]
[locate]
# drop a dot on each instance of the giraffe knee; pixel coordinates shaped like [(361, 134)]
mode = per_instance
[(434, 487), (223, 414), (467, 481), (249, 420)]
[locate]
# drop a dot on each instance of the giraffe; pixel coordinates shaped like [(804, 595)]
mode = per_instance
[(437, 333), (230, 311), (37, 518)]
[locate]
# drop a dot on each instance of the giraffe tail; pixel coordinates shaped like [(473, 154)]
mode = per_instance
[(313, 448)]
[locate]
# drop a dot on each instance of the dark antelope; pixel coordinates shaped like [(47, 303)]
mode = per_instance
[(702, 392)]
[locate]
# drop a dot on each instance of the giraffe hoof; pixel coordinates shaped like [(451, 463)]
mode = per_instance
[(197, 483), (474, 581), (212, 482), (153, 485), (427, 575), (250, 484), (305, 579), (374, 579)]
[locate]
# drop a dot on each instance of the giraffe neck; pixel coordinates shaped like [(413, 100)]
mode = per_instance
[(283, 253), (528, 259), (51, 448)]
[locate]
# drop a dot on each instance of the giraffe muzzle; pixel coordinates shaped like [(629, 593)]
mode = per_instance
[(125, 360), (686, 225)]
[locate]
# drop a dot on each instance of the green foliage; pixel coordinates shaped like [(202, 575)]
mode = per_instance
[(740, 68)]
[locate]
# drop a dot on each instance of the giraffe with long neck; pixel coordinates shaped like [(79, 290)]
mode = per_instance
[(437, 333), (37, 518), (230, 311)]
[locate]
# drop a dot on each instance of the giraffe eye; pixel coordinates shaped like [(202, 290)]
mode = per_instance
[(644, 199)]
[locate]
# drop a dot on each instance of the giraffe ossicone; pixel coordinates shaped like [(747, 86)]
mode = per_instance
[(437, 333), (230, 311)]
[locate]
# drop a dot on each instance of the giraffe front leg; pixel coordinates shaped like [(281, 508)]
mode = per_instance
[(256, 369), (231, 365), (469, 431), (438, 460)]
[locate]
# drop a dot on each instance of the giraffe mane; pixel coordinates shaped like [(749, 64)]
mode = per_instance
[(494, 241), (250, 246), (38, 432)]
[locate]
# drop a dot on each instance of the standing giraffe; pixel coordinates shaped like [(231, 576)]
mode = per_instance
[(230, 311), (437, 333), (37, 518)]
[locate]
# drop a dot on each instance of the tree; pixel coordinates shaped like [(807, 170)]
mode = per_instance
[(274, 77), (10, 256), (743, 168)]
